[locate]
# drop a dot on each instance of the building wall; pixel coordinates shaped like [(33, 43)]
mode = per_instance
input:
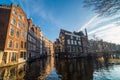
[(48, 47), (16, 36), (20, 39), (71, 44), (32, 40), (4, 21)]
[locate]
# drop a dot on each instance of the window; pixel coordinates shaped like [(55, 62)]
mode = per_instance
[(13, 56), (24, 35), (24, 55), (21, 44), (9, 43), (71, 41), (4, 58), (14, 12), (75, 42), (79, 49), (18, 25), (71, 37), (16, 45), (68, 41), (78, 38), (21, 54), (69, 48), (79, 43), (17, 34), (19, 17), (23, 25), (73, 49), (13, 21), (11, 31)]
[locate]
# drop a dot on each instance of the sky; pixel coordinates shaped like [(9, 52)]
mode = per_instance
[(53, 15)]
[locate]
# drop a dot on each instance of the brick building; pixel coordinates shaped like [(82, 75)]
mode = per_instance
[(48, 47), (20, 38), (71, 44), (13, 34), (34, 41)]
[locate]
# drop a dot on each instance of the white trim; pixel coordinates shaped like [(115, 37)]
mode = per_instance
[(9, 51), (72, 34), (24, 50)]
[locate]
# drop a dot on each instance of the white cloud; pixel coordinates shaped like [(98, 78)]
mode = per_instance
[(89, 22), (109, 32), (95, 20), (100, 29)]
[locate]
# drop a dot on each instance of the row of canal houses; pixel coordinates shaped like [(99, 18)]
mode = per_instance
[(20, 39), (76, 44)]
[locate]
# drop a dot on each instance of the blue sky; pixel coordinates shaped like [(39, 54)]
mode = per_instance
[(52, 15)]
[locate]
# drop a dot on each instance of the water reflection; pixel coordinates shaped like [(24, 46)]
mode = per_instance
[(37, 70), (63, 69), (83, 69), (74, 69), (13, 72)]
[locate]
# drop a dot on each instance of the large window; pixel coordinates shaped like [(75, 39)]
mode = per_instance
[(23, 55), (9, 43), (11, 31), (4, 58), (17, 34), (13, 56)]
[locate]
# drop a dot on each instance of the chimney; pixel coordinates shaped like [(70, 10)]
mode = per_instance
[(86, 32)]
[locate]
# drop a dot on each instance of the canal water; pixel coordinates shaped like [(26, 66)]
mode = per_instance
[(62, 69)]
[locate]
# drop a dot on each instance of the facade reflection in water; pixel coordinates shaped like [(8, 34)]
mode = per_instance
[(59, 69), (74, 69), (37, 70), (92, 69), (16, 72)]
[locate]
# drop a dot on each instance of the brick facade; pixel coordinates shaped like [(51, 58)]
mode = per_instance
[(20, 39), (71, 44)]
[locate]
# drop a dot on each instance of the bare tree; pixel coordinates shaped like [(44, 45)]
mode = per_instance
[(103, 7)]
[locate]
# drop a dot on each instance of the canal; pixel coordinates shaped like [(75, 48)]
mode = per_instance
[(63, 69)]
